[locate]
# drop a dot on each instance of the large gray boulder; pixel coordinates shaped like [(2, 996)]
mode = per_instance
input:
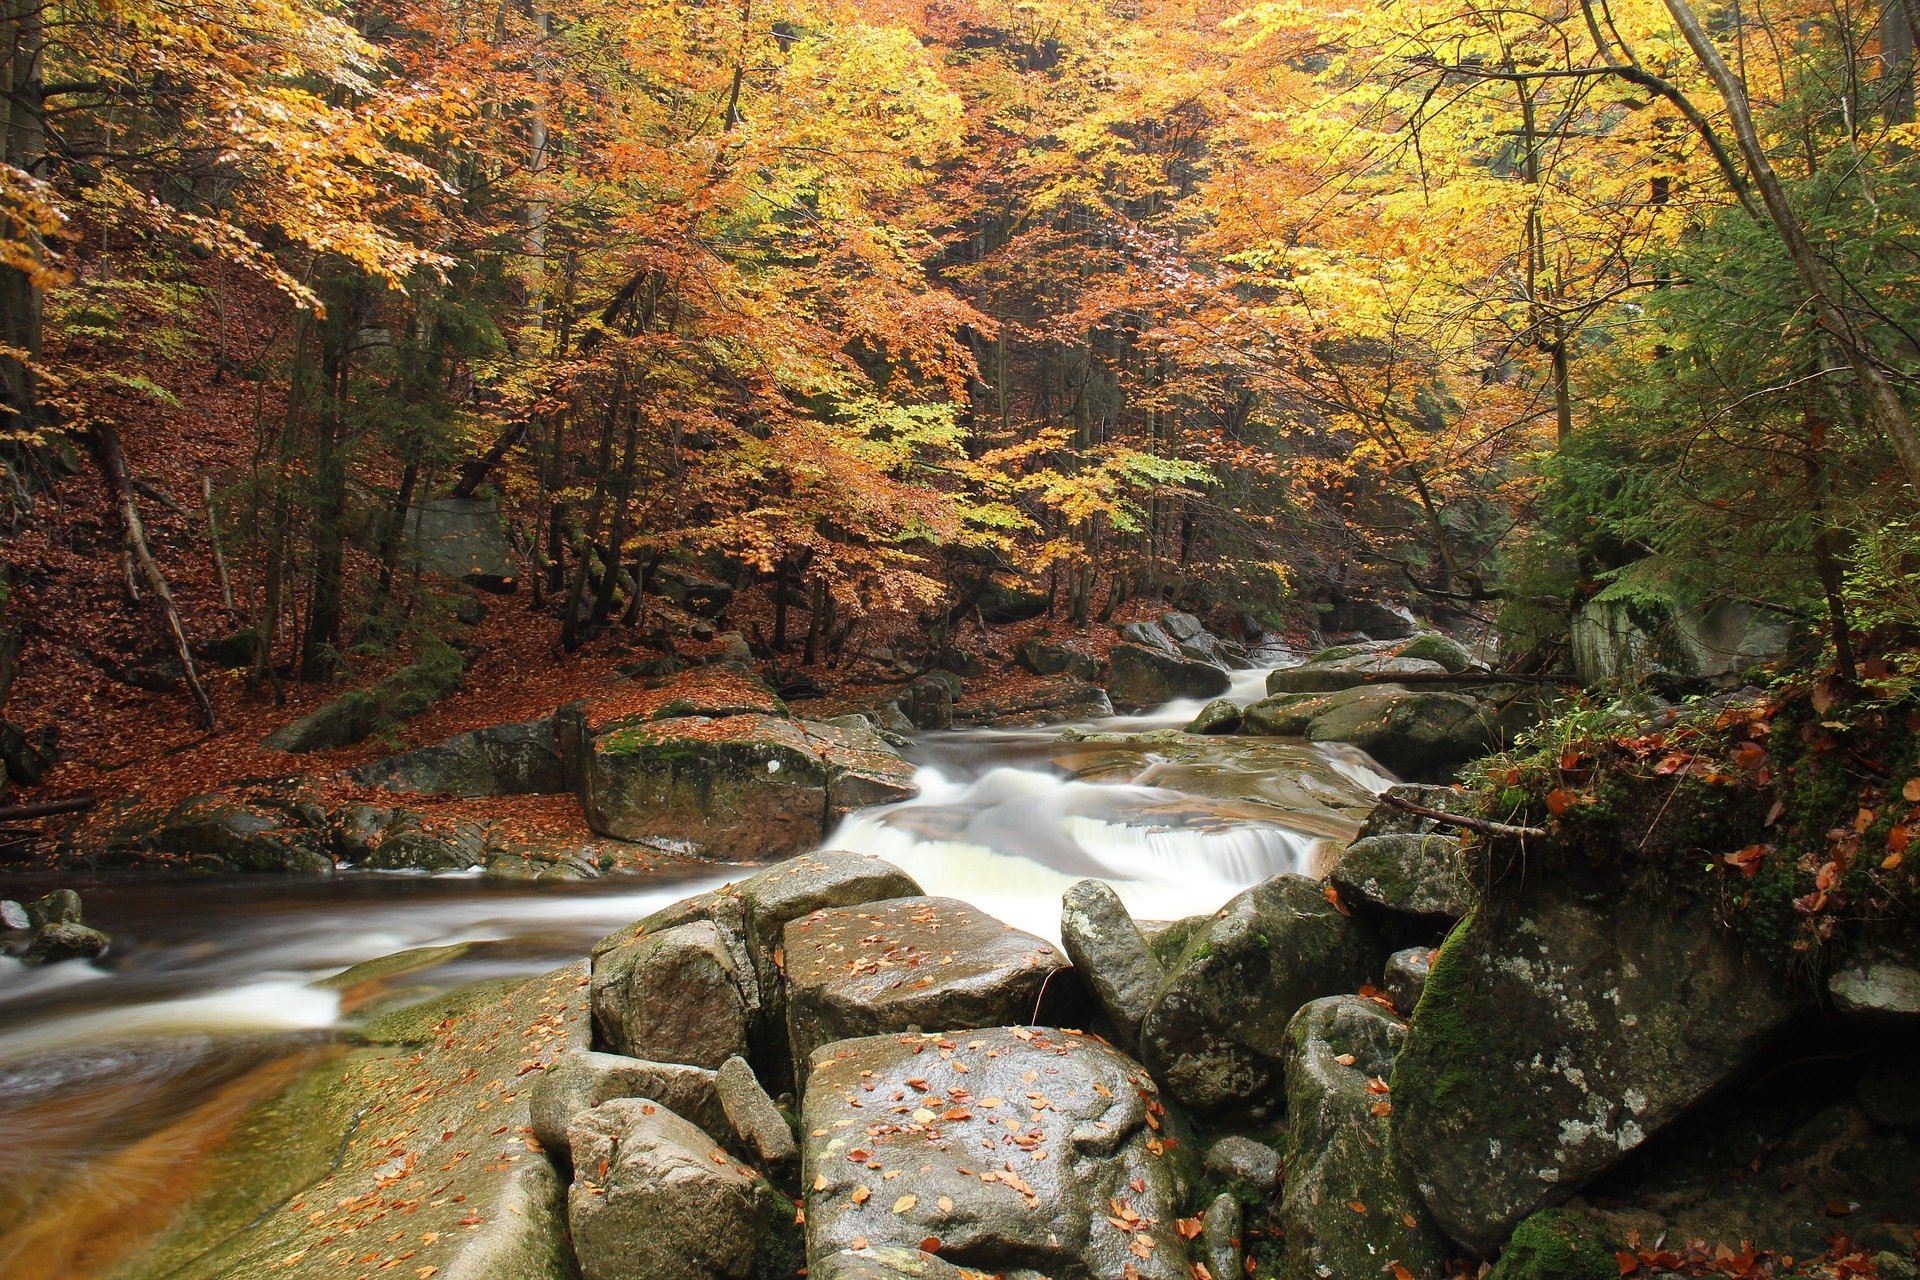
[(685, 993), (1020, 1148), (500, 760), (1380, 621), (1057, 699), (1878, 983), (654, 1198), (1349, 1207), (582, 1080), (1111, 956), (1215, 1036), (460, 537), (1139, 677), (1422, 734), (1411, 875), (240, 834), (1557, 1033), (738, 958), (1317, 676), (906, 964), (1044, 658)]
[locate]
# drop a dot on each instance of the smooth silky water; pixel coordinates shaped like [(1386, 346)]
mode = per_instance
[(115, 1078)]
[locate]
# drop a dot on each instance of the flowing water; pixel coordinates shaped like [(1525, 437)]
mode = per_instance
[(115, 1076)]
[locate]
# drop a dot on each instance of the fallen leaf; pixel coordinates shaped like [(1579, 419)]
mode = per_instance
[(861, 1194), (1911, 792), (905, 1203)]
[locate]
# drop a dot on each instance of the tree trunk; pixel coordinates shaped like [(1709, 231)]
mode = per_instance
[(23, 111)]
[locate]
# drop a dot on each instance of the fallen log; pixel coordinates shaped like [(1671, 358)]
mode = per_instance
[(113, 465), (47, 808)]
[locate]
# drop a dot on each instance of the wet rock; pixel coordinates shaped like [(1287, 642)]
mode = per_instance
[(580, 1081), (1216, 1033), (501, 760), (1282, 715), (1221, 715), (61, 906), (407, 844), (1148, 635), (1421, 734), (886, 1262), (1111, 956), (1878, 983), (862, 768), (684, 993), (907, 963), (653, 1198), (63, 940), (240, 835), (1412, 875), (1252, 1168), (1092, 1111), (1139, 677), (741, 789), (1349, 1207), (1220, 1237), (365, 1127), (1557, 1034), (1044, 658), (762, 1133), (1317, 676), (1406, 977)]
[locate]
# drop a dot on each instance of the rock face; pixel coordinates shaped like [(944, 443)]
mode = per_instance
[(1013, 1165), (501, 760), (460, 537), (1215, 1035), (1556, 1035), (1413, 875), (654, 1199), (1111, 956), (744, 788), (1712, 642), (581, 1081), (905, 964), (1139, 677), (1349, 1208)]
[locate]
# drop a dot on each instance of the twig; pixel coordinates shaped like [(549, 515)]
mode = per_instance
[(1480, 825), (213, 539)]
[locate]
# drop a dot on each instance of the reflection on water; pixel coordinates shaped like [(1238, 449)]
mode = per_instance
[(118, 1076)]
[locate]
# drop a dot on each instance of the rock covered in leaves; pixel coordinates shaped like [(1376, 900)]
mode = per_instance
[(1556, 1034), (1215, 1035), (1010, 1147), (908, 963), (654, 1198), (1349, 1207), (682, 993), (581, 1081)]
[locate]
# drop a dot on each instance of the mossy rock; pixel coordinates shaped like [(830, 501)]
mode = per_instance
[(1556, 1244)]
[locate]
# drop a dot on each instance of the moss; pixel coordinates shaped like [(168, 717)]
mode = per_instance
[(1557, 1244), (1453, 1048)]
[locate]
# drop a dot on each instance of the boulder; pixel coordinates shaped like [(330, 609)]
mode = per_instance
[(653, 1198), (1889, 1090), (1372, 617), (1349, 1208), (340, 722), (1431, 646), (1222, 715), (1406, 977), (685, 993), (1019, 1163), (886, 1262), (1876, 982), (60, 906), (409, 845), (740, 789), (582, 1080), (501, 760), (1111, 956), (1556, 1034), (1148, 635), (862, 768), (460, 537), (1251, 1168), (1215, 1035), (1318, 676), (63, 940), (1615, 641), (1389, 819), (758, 1127), (1410, 875), (1423, 734), (927, 703), (907, 963), (1220, 1236), (1044, 658), (1556, 1244), (1139, 677), (697, 592)]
